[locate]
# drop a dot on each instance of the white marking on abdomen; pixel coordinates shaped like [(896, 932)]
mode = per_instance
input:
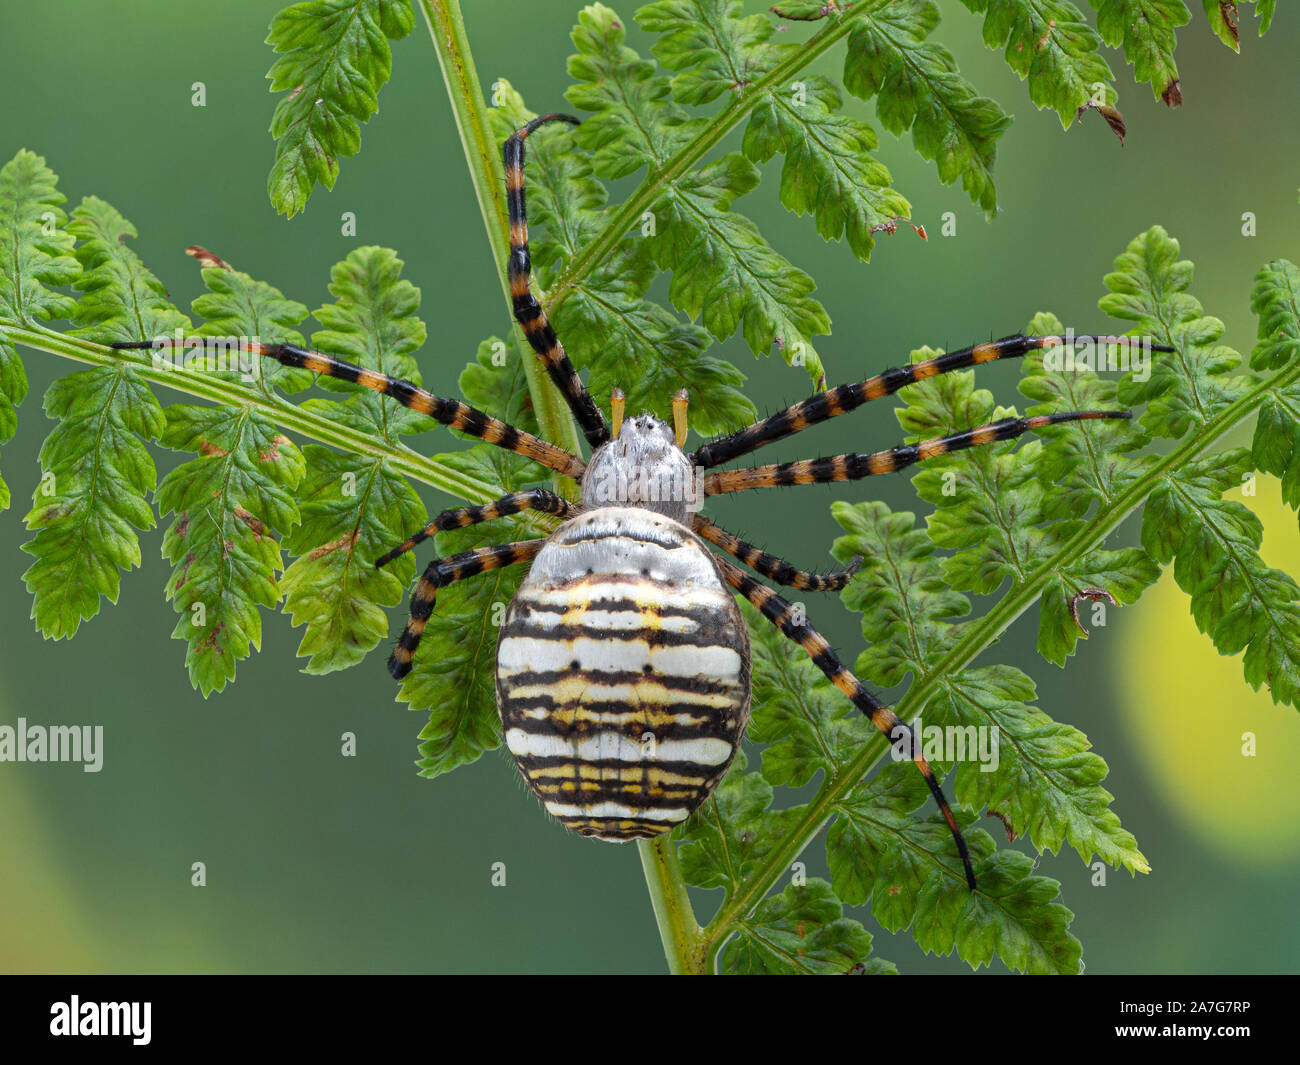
[(522, 654), (610, 620), (582, 690), (614, 746), (643, 594), (617, 809)]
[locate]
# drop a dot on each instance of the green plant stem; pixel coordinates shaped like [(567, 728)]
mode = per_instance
[(684, 947), (672, 906), (979, 637), (629, 214), (487, 173), (294, 418)]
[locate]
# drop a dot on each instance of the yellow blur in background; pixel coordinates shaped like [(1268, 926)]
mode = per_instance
[(1193, 718)]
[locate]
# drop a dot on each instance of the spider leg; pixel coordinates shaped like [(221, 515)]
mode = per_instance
[(460, 517), (855, 466), (527, 310), (841, 400), (770, 566), (783, 616), (450, 412), (444, 571)]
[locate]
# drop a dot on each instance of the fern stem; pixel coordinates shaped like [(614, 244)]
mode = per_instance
[(487, 173), (672, 906), (629, 214), (227, 394), (684, 947), (982, 633)]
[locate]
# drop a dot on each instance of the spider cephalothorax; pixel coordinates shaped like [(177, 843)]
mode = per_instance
[(623, 665)]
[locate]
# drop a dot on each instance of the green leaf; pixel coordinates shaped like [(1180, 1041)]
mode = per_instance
[(13, 389), (801, 931), (805, 721), (35, 253), (228, 504), (718, 48), (1275, 300), (907, 868), (727, 275), (1238, 601), (918, 88), (35, 248), (355, 508), (95, 469), (335, 59), (1050, 43), (828, 170), (1186, 389), (121, 299), (1276, 447), (728, 837), (1122, 575), (1145, 30), (236, 306), (91, 499), (724, 273), (454, 676), (1039, 776)]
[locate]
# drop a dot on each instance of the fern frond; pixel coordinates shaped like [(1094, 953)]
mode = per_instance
[(335, 60)]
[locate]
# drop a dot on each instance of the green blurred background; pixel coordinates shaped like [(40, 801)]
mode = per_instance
[(318, 862)]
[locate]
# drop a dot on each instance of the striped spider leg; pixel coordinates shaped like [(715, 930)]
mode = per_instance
[(852, 467), (449, 412), (444, 571), (822, 407), (790, 622), (836, 401), (465, 419), (528, 311)]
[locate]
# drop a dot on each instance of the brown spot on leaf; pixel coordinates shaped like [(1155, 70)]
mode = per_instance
[(206, 447), (1042, 41), (212, 638), (185, 573), (272, 453), (1228, 9), (343, 543), (182, 525), (259, 528)]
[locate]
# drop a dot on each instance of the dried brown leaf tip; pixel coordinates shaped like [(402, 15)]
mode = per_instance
[(1006, 824), (206, 258), (1093, 594), (1173, 94), (1112, 116)]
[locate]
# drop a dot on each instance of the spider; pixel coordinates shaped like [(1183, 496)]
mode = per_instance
[(623, 661)]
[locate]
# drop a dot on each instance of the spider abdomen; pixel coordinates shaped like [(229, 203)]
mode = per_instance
[(623, 672)]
